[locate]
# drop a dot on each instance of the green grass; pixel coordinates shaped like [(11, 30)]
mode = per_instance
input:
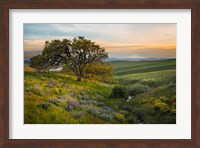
[(162, 76), (38, 92), (48, 96), (132, 67)]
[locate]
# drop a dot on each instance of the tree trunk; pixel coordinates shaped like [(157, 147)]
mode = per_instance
[(80, 74), (79, 78)]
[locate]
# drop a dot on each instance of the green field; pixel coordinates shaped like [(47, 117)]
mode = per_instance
[(133, 67), (58, 98)]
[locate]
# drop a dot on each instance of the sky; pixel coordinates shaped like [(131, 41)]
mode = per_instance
[(119, 40)]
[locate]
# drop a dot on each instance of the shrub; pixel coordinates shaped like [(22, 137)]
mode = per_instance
[(131, 118), (44, 105), (165, 104), (119, 91), (106, 116), (119, 117), (136, 89), (134, 81), (93, 110), (123, 81), (85, 97)]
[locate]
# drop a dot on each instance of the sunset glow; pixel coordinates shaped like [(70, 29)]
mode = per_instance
[(119, 40)]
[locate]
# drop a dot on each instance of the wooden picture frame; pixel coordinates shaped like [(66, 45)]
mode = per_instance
[(6, 5)]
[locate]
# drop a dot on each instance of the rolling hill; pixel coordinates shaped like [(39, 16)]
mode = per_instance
[(132, 67), (57, 98)]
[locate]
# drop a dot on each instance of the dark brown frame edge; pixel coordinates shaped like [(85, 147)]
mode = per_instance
[(5, 5)]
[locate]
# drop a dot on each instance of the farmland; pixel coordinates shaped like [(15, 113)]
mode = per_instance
[(141, 92)]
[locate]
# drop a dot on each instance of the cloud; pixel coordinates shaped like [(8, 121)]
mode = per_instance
[(144, 40), (135, 33), (38, 42)]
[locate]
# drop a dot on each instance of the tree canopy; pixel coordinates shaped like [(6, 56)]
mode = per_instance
[(77, 55)]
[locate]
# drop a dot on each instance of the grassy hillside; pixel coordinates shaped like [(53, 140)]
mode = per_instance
[(59, 98), (155, 88), (132, 67)]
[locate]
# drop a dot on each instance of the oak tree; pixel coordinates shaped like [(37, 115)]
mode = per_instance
[(76, 55)]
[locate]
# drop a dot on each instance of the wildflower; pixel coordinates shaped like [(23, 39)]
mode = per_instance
[(73, 104)]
